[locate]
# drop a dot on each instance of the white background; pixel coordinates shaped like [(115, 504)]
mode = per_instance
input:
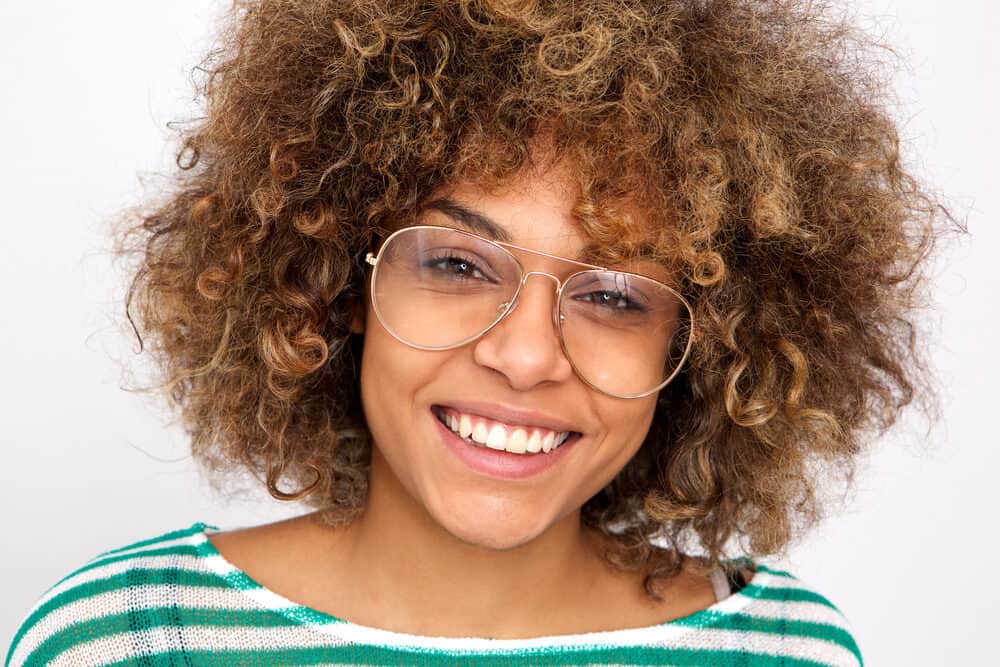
[(85, 92)]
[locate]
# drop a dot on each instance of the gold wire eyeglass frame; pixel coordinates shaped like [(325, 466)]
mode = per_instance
[(506, 308)]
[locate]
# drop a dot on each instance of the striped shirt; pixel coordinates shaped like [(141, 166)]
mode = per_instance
[(174, 600)]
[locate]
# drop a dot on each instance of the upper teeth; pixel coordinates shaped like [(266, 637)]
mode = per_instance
[(500, 436)]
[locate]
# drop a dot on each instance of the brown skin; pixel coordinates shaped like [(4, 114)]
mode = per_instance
[(332, 570), (512, 559), (517, 363)]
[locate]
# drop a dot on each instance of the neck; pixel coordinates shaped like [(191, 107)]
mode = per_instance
[(420, 579)]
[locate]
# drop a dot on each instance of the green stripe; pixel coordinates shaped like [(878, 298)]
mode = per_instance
[(139, 577), (782, 594), (233, 579), (100, 558), (197, 550), (709, 617), (776, 592), (172, 535), (779, 573), (138, 620), (787, 595), (779, 627), (367, 655)]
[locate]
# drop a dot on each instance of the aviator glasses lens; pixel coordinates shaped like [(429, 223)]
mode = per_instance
[(437, 288)]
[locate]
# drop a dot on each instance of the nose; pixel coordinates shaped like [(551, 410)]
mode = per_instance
[(524, 346)]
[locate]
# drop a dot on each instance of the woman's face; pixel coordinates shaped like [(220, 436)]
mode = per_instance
[(513, 378)]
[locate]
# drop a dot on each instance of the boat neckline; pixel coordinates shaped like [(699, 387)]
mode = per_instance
[(323, 622)]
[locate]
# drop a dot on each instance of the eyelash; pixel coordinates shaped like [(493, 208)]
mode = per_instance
[(451, 259), (632, 307)]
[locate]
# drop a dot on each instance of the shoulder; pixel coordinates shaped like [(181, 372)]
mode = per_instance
[(779, 613), (121, 593)]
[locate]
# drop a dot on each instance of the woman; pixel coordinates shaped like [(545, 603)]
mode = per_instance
[(556, 314)]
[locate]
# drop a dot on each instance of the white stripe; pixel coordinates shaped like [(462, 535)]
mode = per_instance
[(121, 647), (811, 612), (177, 541), (762, 642), (768, 580), (127, 599), (668, 634), (178, 561), (361, 634), (662, 635), (775, 572)]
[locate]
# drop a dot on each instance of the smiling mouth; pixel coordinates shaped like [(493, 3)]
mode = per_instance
[(492, 434)]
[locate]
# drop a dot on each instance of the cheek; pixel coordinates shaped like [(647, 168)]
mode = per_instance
[(627, 426), (393, 377), (624, 428)]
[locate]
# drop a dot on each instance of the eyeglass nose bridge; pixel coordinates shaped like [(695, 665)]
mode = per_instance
[(509, 306)]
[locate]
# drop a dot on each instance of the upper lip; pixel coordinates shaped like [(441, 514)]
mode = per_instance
[(511, 414)]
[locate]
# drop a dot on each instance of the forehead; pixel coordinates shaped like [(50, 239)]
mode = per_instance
[(536, 207)]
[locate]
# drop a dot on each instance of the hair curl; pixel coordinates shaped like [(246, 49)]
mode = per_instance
[(755, 134)]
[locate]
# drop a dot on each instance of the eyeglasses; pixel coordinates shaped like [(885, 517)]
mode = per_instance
[(438, 288)]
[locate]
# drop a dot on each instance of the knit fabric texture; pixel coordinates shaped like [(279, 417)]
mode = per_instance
[(174, 600)]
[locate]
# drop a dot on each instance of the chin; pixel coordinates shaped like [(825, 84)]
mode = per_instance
[(482, 529), (494, 541)]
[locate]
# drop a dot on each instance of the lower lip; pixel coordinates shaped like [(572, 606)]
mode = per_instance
[(497, 463)]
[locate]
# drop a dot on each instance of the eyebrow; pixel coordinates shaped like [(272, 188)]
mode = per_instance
[(485, 226), (476, 222)]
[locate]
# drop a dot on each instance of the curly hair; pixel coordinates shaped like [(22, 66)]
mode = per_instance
[(756, 134)]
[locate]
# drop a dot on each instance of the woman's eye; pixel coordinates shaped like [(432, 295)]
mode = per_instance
[(612, 300), (457, 266)]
